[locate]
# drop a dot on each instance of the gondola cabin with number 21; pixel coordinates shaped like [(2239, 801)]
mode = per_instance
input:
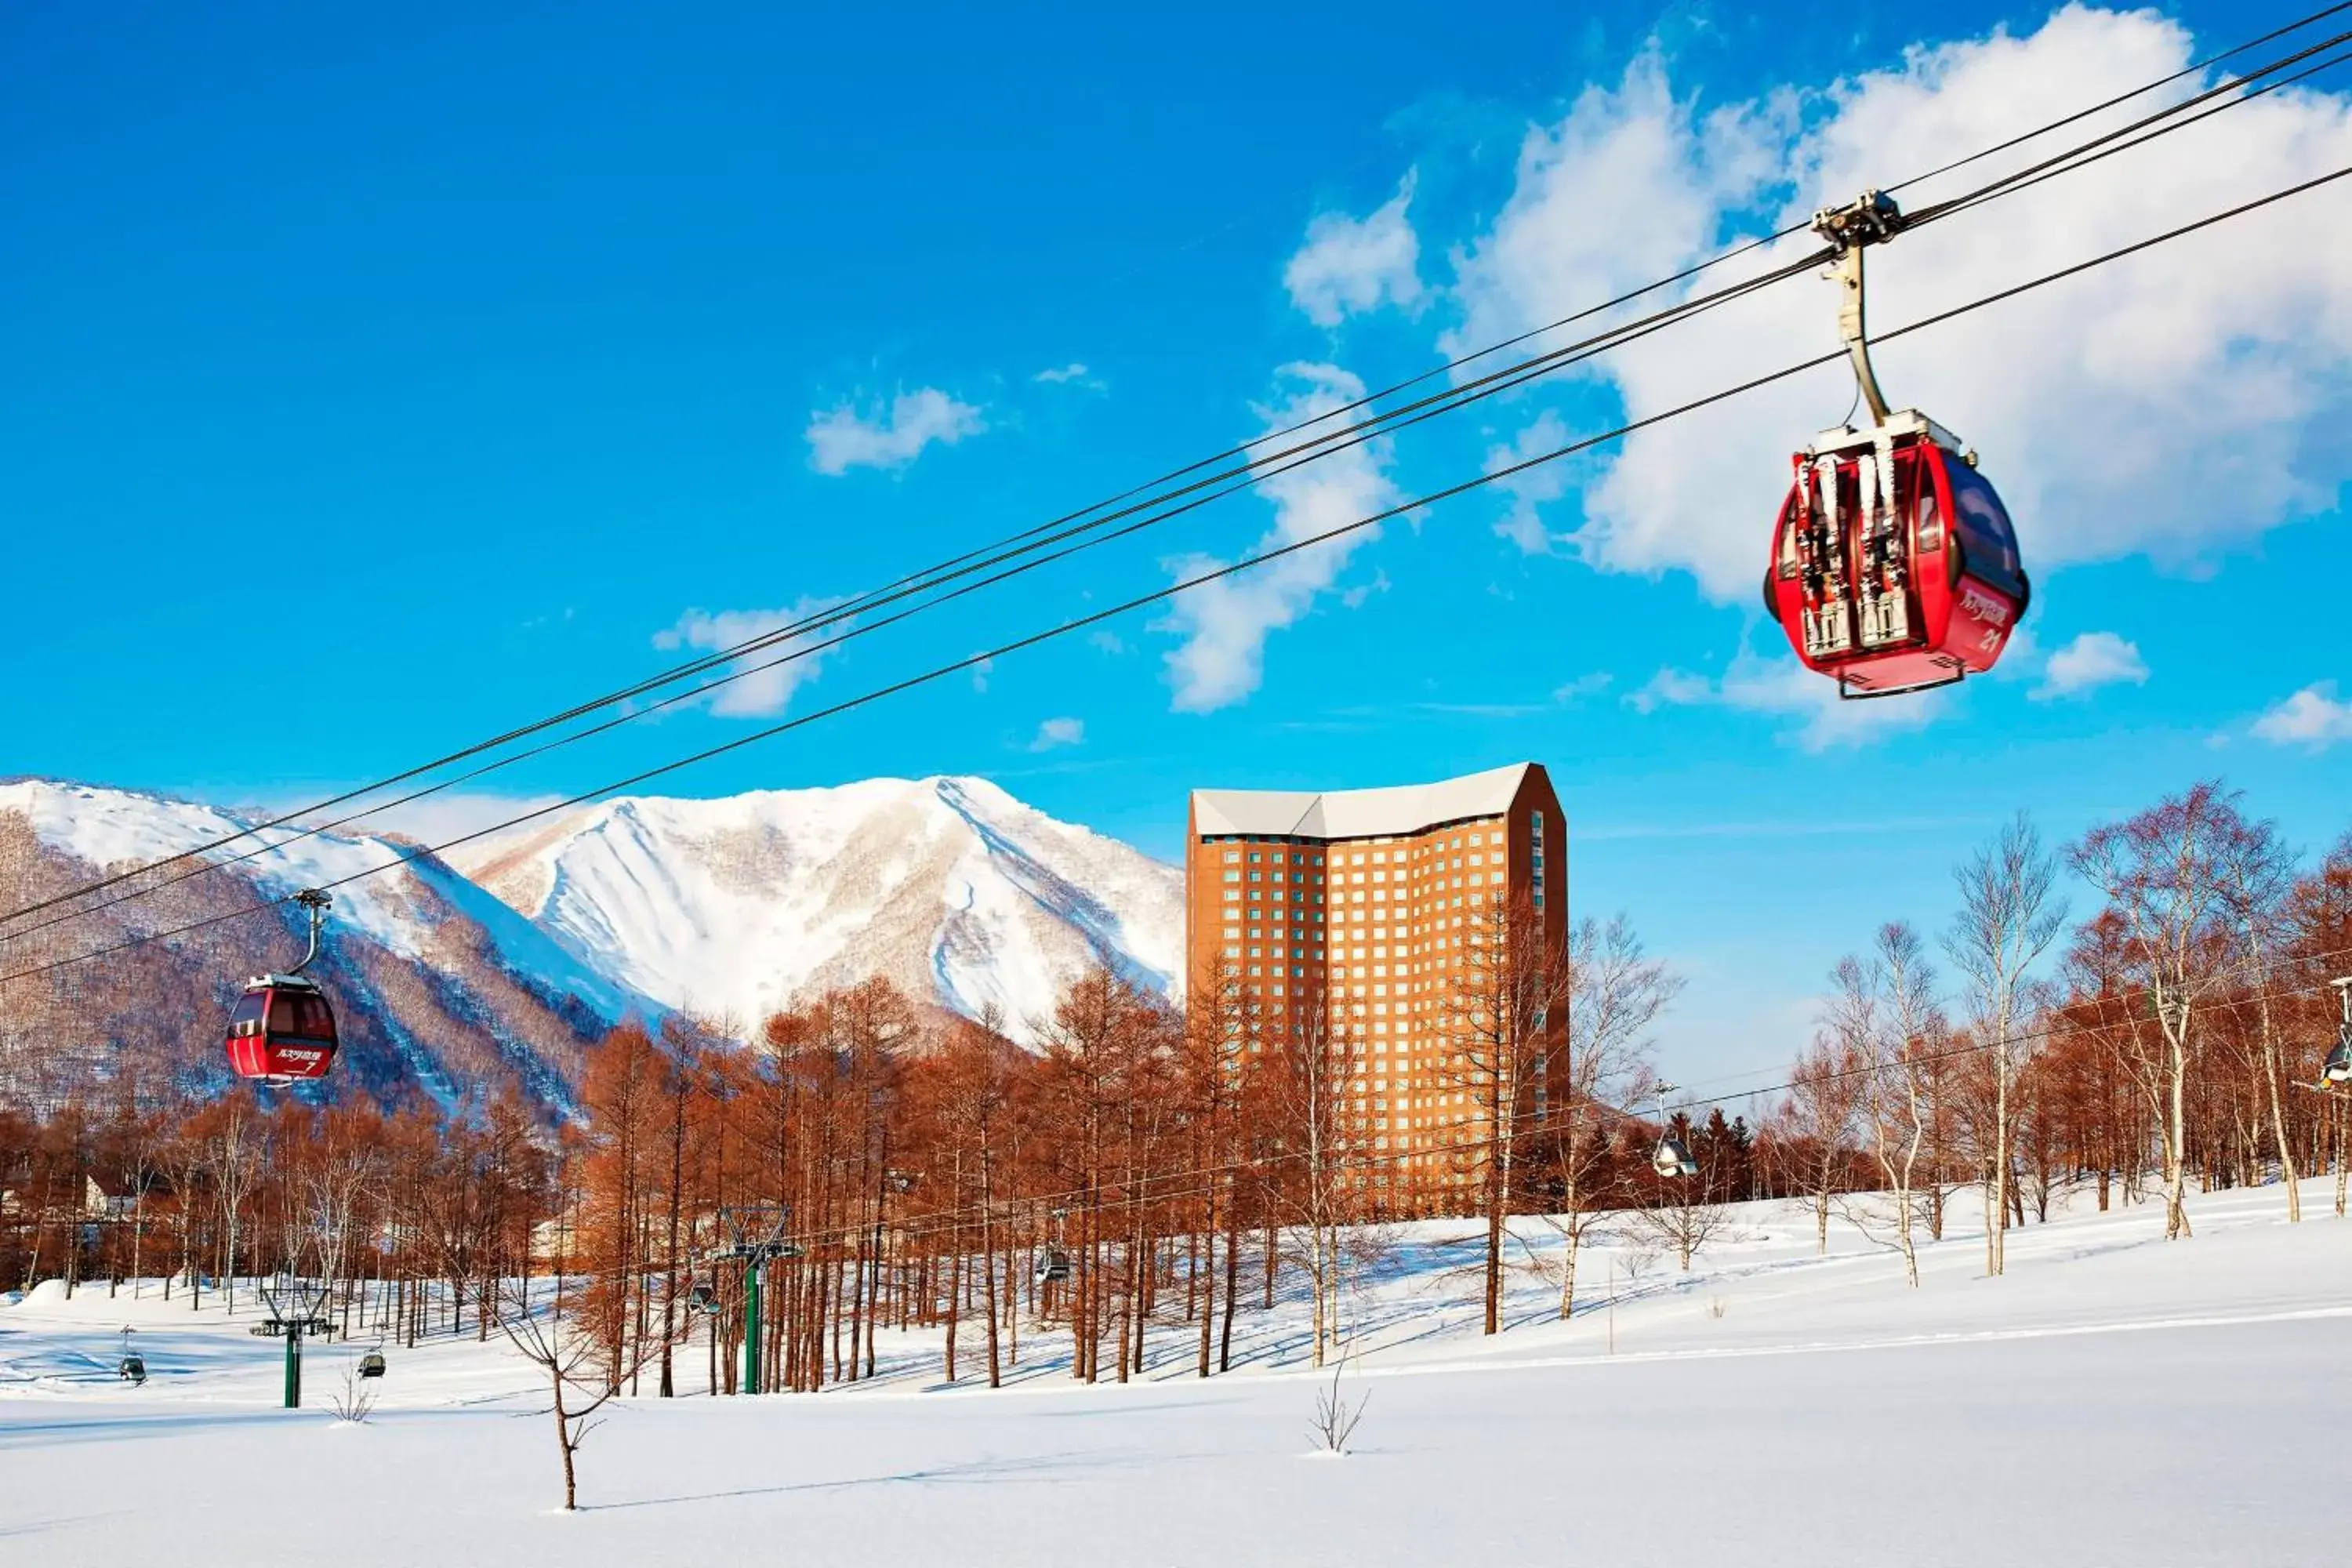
[(1893, 566)]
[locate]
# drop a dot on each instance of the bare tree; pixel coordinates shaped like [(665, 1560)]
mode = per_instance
[(1686, 1215), (1335, 1418), (1615, 992), (2164, 875), (577, 1364), (1817, 1123), (1502, 1016), (1317, 1086), (2257, 874), (1883, 1015), (575, 1357), (2010, 914)]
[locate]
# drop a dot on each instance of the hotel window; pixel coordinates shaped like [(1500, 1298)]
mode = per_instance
[(1232, 857), (1233, 933)]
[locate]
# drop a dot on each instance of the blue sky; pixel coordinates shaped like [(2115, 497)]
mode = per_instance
[(370, 390)]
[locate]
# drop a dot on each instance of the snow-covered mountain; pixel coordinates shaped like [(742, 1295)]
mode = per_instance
[(437, 984), (949, 887)]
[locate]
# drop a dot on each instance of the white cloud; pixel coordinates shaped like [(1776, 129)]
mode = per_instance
[(2313, 717), (1533, 489), (842, 438), (1670, 688), (762, 691), (435, 819), (2173, 403), (1226, 623), (1055, 733), (2091, 661), (1782, 688), (1063, 374), (1586, 685), (1106, 640), (1351, 267)]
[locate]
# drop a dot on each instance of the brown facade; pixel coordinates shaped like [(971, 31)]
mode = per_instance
[(1360, 932)]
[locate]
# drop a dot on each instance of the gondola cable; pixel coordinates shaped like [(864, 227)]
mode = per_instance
[(918, 580), (1249, 475), (1170, 590)]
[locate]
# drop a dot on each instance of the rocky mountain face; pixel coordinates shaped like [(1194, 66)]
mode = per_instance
[(949, 888), (439, 988), (459, 980)]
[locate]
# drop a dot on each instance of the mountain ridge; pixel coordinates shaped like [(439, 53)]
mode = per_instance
[(496, 966), (947, 885)]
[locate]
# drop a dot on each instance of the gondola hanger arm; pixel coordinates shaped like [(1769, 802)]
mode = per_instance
[(317, 903), (1870, 219)]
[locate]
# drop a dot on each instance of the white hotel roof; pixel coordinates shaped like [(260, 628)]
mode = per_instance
[(1356, 813)]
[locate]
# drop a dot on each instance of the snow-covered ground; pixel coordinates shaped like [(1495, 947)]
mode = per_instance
[(2113, 1399)]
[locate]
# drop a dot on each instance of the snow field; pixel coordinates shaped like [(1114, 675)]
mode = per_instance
[(2113, 1399)]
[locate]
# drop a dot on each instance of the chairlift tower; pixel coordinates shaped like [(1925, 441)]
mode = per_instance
[(755, 1234), (297, 1309)]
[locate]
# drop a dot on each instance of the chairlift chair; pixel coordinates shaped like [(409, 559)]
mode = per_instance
[(1672, 1159), (132, 1370), (704, 1300), (372, 1365), (2337, 1071), (1053, 1265)]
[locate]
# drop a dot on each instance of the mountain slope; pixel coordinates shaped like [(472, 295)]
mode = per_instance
[(948, 887), (436, 985)]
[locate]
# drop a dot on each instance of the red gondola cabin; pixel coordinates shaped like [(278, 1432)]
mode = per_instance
[(282, 1030), (1893, 566)]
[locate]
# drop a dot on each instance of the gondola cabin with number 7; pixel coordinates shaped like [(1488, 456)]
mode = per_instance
[(282, 1030), (1894, 564)]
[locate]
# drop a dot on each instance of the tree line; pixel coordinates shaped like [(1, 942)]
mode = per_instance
[(1144, 1171)]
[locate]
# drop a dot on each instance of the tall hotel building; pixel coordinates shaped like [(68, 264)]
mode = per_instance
[(1354, 902)]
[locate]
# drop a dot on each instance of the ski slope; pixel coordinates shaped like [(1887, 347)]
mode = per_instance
[(2113, 1399)]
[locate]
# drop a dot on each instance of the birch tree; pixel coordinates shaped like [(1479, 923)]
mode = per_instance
[(1616, 993), (2010, 914), (2163, 874), (1503, 1014), (1881, 1012)]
